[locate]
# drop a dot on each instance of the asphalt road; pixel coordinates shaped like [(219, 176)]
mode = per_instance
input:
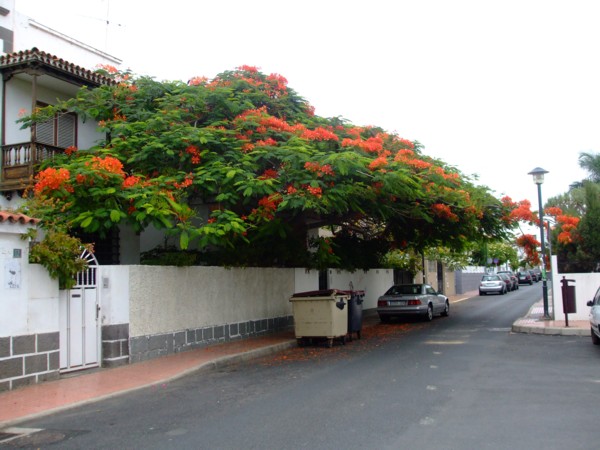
[(462, 382)]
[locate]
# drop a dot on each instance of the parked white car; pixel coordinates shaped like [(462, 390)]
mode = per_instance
[(595, 317)]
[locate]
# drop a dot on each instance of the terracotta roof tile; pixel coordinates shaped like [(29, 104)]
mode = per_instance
[(6, 216), (34, 56)]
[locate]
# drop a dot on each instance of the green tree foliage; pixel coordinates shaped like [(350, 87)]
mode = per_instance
[(583, 255), (241, 169)]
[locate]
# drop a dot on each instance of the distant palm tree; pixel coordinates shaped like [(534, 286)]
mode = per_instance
[(591, 163)]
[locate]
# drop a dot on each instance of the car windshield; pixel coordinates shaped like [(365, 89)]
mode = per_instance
[(404, 289), (490, 278)]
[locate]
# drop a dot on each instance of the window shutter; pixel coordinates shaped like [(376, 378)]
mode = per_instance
[(66, 130), (44, 132)]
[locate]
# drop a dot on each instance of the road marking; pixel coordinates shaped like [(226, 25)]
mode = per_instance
[(18, 432), (444, 342)]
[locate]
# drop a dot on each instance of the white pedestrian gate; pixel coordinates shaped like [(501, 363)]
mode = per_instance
[(79, 324)]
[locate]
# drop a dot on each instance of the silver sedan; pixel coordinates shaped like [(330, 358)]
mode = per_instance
[(412, 300)]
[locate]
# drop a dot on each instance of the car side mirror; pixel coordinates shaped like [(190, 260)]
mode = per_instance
[(590, 303)]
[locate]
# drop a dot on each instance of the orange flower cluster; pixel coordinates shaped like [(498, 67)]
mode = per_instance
[(269, 142), (553, 211), (131, 181), (194, 152), (378, 163), (319, 134), (268, 174), (246, 68), (316, 191), (51, 179), (443, 211), (522, 211), (416, 163), (320, 170), (370, 145), (197, 81), (565, 238), (110, 69), (529, 244), (267, 206), (276, 85), (189, 178), (108, 163), (247, 147), (454, 177), (70, 150), (568, 223), (405, 142), (117, 116)]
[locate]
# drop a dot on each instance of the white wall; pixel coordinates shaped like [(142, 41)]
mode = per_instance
[(18, 103), (374, 282), (18, 97), (306, 280), (162, 299), (113, 285), (13, 288), (28, 296), (166, 299), (586, 285), (31, 32), (43, 308)]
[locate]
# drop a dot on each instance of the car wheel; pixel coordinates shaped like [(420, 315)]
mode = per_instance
[(595, 338), (446, 311), (481, 293), (429, 315), (530, 283)]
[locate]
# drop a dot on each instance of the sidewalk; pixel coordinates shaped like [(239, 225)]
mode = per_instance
[(534, 322), (86, 387)]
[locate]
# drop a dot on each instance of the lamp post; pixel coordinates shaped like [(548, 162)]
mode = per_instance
[(538, 178)]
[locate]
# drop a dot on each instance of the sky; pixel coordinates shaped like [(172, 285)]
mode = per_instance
[(495, 88)]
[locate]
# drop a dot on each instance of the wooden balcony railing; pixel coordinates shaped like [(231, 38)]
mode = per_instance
[(19, 162)]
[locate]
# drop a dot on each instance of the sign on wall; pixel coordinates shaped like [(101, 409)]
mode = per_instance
[(12, 274)]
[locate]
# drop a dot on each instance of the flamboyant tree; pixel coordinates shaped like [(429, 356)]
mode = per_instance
[(556, 223), (241, 168)]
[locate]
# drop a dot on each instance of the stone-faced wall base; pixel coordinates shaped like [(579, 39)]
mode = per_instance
[(28, 359), (142, 348), (115, 345)]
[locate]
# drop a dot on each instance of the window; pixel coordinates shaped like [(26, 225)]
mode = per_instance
[(61, 131)]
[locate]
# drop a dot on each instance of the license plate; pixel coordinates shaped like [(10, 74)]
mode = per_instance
[(398, 303)]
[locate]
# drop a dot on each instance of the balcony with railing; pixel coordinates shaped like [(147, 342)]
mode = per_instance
[(20, 161)]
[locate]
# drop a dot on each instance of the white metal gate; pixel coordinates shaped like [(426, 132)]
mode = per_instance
[(79, 324)]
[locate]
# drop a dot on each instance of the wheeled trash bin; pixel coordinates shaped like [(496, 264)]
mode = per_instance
[(321, 314), (355, 313)]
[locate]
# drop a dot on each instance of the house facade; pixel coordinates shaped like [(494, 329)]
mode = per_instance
[(33, 77)]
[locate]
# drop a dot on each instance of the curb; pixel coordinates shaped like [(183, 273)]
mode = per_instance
[(552, 331)]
